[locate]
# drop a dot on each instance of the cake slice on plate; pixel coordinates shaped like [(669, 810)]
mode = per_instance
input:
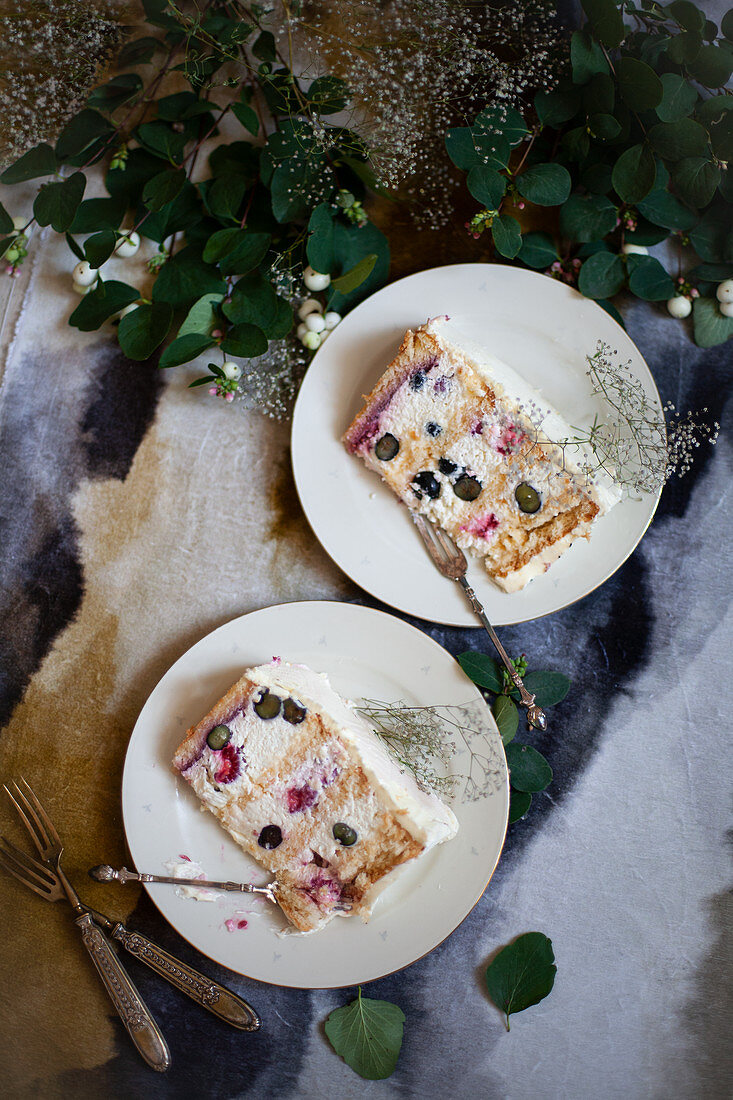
[(303, 784), (462, 439)]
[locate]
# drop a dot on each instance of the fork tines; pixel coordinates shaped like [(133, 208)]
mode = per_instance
[(28, 870), (36, 820), (447, 557)]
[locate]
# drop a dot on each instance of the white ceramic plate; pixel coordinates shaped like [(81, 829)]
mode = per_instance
[(367, 654), (543, 329)]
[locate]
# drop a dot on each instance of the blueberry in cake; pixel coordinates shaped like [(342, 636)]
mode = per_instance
[(462, 439), (303, 784)]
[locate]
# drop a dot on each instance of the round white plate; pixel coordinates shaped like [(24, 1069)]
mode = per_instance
[(539, 326), (367, 654)]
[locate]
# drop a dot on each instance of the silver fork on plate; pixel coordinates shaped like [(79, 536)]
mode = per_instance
[(451, 562)]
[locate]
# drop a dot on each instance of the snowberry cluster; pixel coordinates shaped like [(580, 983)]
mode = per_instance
[(17, 251), (227, 385), (479, 222), (315, 324), (565, 270), (352, 208), (84, 277)]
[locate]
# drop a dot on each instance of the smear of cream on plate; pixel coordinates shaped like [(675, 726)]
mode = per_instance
[(188, 871)]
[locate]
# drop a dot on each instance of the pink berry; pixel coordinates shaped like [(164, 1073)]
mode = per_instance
[(229, 397), (217, 334), (212, 391)]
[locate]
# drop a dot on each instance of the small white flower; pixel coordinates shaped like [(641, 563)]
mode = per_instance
[(724, 293), (331, 318), (316, 280), (84, 275), (311, 340), (310, 305), (679, 307), (232, 371), (635, 250), (315, 322), (127, 245)]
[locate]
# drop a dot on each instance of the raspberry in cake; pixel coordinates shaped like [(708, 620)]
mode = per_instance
[(303, 784), (452, 430)]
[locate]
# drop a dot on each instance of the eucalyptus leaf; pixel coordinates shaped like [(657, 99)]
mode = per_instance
[(160, 138), (486, 185), (687, 15), (106, 299), (501, 120), (678, 98), (604, 127), (710, 326), (507, 235), (726, 24), (634, 173), (545, 184), (649, 280), (482, 669), (80, 132), (611, 311), (163, 188), (639, 85), (247, 116), (554, 108), (586, 56), (538, 250), (93, 215), (6, 222), (356, 275), (466, 148), (675, 140), (519, 804), (528, 769), (121, 89), (254, 301), (138, 52), (684, 47), (599, 94), (587, 217), (224, 197), (180, 282), (721, 136), (506, 717), (549, 687), (39, 161), (711, 66), (328, 95), (264, 47), (576, 143), (522, 974), (320, 246), (695, 179), (75, 248), (99, 247), (367, 1034), (184, 349), (201, 317), (662, 208), (143, 330), (715, 273), (601, 276), (57, 203), (245, 341), (351, 244), (708, 236), (606, 21)]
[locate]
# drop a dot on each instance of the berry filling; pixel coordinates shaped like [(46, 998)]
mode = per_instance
[(482, 527), (300, 798), (228, 765)]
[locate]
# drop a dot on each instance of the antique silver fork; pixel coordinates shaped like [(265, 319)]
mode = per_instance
[(47, 881), (451, 562)]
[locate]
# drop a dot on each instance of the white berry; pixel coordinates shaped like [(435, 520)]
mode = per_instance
[(316, 280), (80, 288), (310, 305), (128, 245), (314, 322), (679, 306), (301, 331), (324, 335), (232, 371), (84, 274), (635, 250), (331, 318), (311, 340), (724, 293), (726, 308), (19, 224)]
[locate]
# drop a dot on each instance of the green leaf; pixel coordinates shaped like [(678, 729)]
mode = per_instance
[(648, 279), (599, 95), (506, 717), (711, 66), (245, 341), (467, 147), (684, 47), (604, 127), (708, 236), (545, 184), (99, 247), (250, 251), (162, 139), (351, 244), (482, 669), (99, 304), (538, 250), (39, 161), (264, 47), (639, 85), (181, 282), (320, 246), (57, 203), (601, 276), (598, 178), (678, 98), (486, 185), (687, 15), (522, 974), (143, 330), (247, 116), (254, 301), (675, 140), (576, 143), (606, 21), (328, 95), (587, 218), (662, 208), (726, 25), (108, 97), (201, 317), (714, 273), (634, 173), (695, 179), (81, 132), (138, 52), (721, 137), (356, 275), (501, 120), (75, 248), (554, 108), (6, 222), (528, 769), (163, 188), (519, 803), (586, 56), (367, 1034), (184, 349), (611, 311), (710, 326), (507, 235), (93, 215), (549, 687)]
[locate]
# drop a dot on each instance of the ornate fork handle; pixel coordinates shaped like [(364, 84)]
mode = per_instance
[(535, 715), (206, 992), (132, 1010)]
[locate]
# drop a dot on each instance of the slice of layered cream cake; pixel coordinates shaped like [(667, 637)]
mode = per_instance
[(303, 784), (462, 439)]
